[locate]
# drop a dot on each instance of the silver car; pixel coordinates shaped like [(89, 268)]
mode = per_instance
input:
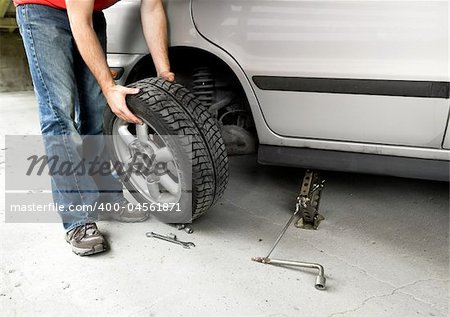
[(360, 86)]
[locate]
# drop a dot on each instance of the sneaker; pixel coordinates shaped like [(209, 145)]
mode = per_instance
[(125, 212), (86, 240)]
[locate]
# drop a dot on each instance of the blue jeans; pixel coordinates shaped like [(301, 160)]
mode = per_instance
[(71, 108)]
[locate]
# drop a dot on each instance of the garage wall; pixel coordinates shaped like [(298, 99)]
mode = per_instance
[(14, 73)]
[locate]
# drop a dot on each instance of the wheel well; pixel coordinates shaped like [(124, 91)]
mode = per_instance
[(193, 65), (183, 61)]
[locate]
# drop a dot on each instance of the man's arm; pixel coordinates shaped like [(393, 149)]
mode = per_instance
[(154, 24), (80, 17)]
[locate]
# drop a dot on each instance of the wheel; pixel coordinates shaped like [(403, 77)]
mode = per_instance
[(179, 135)]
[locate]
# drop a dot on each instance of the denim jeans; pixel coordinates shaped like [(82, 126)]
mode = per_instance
[(71, 108)]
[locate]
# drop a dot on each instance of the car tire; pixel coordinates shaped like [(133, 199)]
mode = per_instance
[(168, 109)]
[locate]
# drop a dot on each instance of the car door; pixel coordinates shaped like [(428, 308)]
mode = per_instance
[(362, 71)]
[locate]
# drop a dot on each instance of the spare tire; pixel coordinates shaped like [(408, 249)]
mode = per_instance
[(178, 130)]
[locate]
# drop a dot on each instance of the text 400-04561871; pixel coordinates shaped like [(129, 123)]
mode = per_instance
[(159, 207)]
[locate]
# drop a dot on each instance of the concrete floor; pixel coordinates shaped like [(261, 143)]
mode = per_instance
[(384, 245)]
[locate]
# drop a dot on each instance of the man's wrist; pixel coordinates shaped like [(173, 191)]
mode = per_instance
[(167, 75), (107, 86)]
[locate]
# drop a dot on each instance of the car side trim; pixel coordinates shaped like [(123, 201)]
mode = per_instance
[(355, 162), (402, 88)]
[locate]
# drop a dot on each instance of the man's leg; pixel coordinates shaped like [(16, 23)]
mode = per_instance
[(50, 51), (92, 104)]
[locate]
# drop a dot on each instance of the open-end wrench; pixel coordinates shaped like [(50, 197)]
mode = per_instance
[(170, 238)]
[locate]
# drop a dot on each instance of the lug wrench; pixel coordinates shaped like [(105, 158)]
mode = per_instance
[(320, 279)]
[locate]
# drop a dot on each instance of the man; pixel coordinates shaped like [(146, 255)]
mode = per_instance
[(65, 43)]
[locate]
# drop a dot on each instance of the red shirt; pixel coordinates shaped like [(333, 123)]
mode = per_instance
[(61, 4)]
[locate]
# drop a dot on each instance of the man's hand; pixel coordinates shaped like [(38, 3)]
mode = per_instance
[(167, 75), (115, 96)]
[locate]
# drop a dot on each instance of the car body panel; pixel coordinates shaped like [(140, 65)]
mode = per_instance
[(374, 119), (124, 29), (387, 40), (328, 38)]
